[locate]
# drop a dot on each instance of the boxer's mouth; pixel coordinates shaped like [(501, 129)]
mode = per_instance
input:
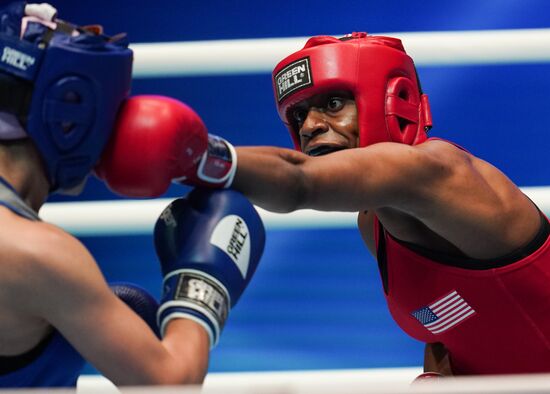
[(321, 150)]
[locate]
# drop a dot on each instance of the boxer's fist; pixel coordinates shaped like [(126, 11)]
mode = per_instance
[(158, 140), (155, 140), (139, 300), (209, 244)]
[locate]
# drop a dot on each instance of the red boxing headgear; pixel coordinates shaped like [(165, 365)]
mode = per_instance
[(375, 69)]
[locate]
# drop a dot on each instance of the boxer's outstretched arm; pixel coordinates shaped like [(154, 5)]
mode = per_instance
[(448, 190), (283, 180), (451, 192), (56, 280)]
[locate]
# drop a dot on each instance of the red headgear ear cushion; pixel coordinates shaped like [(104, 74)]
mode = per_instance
[(402, 110)]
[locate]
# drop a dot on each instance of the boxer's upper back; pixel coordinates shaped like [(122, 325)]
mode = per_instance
[(19, 330)]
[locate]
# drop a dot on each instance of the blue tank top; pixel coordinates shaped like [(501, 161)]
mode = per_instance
[(57, 364)]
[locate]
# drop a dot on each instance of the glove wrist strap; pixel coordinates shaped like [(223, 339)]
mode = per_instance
[(197, 296), (218, 165)]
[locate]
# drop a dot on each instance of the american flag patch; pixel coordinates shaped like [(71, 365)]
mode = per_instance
[(444, 313)]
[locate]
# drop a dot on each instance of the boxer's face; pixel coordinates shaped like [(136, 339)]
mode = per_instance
[(327, 123)]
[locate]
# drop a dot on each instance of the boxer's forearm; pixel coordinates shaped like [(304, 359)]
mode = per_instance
[(188, 344), (271, 177)]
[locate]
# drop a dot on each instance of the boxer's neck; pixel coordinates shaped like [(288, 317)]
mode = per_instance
[(21, 166)]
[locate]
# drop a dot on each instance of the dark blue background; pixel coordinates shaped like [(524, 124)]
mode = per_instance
[(316, 300)]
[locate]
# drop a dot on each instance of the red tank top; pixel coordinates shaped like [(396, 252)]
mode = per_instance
[(493, 321)]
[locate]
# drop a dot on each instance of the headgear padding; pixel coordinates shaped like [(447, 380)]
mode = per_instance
[(64, 84), (375, 69)]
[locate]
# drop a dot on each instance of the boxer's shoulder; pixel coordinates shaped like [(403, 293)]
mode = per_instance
[(34, 252)]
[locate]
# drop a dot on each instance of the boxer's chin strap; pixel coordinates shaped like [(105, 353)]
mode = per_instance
[(11, 128)]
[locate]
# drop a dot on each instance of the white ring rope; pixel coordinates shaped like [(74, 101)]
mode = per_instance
[(225, 57), (277, 382), (359, 381), (133, 217)]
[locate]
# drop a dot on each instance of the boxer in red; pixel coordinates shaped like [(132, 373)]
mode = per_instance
[(463, 254)]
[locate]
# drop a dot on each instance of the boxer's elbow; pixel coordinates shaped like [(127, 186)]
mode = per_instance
[(181, 365), (170, 376)]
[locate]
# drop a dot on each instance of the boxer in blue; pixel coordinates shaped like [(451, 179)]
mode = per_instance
[(61, 87)]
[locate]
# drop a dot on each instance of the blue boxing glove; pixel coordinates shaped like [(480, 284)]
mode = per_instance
[(140, 301), (209, 245)]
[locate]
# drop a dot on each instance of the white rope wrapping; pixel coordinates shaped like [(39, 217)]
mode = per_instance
[(132, 217), (225, 57)]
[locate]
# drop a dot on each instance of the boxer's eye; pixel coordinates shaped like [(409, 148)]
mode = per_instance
[(299, 115), (335, 104)]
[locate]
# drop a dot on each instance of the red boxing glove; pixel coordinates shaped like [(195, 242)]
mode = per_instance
[(157, 140)]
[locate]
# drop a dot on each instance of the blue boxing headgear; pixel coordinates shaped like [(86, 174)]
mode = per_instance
[(65, 84)]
